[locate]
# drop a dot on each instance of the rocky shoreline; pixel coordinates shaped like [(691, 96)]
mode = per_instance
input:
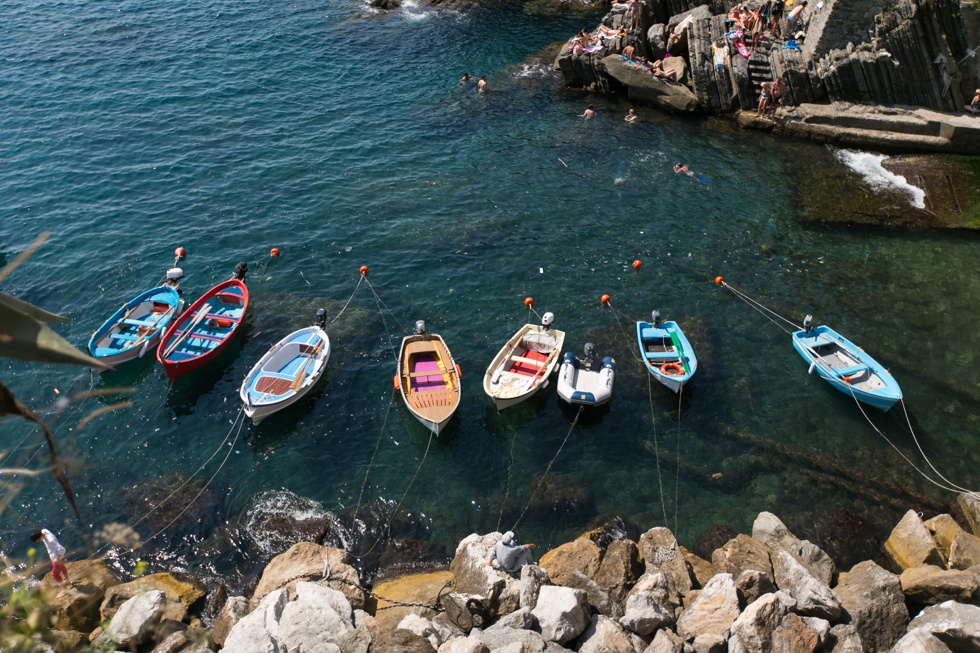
[(770, 591), (890, 76)]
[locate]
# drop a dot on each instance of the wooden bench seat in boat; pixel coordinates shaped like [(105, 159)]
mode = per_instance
[(139, 323), (529, 361), (661, 355), (652, 334), (278, 384), (854, 369), (201, 336), (433, 399), (230, 298), (415, 375), (123, 336)]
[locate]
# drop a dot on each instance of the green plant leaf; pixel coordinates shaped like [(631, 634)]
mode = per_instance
[(29, 309), (10, 405), (24, 336)]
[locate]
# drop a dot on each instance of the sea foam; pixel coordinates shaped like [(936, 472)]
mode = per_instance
[(870, 167)]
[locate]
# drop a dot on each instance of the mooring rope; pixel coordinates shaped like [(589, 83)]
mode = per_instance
[(391, 517), (762, 309), (547, 470), (377, 445), (510, 472), (630, 342), (677, 467), (362, 278), (949, 486), (377, 299), (656, 447)]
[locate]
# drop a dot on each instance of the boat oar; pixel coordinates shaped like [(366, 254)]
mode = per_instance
[(201, 314), (151, 331), (298, 381)]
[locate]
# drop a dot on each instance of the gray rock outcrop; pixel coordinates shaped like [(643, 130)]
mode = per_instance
[(872, 598), (814, 598)]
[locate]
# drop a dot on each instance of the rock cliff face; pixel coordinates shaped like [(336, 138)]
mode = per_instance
[(910, 53)]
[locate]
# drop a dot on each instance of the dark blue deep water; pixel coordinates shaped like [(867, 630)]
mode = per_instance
[(344, 138)]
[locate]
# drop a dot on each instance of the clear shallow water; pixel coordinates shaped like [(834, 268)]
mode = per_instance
[(343, 138)]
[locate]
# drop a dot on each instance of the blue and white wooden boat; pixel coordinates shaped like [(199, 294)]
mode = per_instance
[(135, 328), (287, 371), (846, 366), (667, 354), (586, 381)]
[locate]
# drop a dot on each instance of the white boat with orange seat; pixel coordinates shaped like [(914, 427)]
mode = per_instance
[(524, 363), (428, 378)]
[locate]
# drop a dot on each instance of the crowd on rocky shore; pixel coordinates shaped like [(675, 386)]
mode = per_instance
[(770, 591)]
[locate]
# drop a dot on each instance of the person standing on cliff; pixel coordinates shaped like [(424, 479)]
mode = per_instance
[(635, 10), (775, 17), (59, 572), (510, 557), (791, 17), (777, 91)]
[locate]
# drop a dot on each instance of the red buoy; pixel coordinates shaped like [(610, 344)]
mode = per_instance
[(529, 302), (180, 252), (605, 299), (637, 264), (719, 280), (274, 251), (364, 270)]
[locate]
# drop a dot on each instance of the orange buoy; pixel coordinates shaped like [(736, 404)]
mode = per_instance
[(398, 386), (637, 264), (274, 251), (180, 252), (605, 299), (364, 270), (529, 302), (719, 280)]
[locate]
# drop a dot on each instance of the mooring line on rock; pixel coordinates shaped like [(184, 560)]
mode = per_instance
[(548, 469)]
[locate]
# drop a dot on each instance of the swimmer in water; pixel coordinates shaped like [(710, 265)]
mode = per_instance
[(465, 78), (589, 112), (482, 84), (631, 116), (680, 167)]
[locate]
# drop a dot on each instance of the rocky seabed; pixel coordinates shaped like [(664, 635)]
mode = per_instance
[(768, 592)]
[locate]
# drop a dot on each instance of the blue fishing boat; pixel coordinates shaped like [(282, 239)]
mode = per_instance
[(846, 366), (135, 328), (667, 354)]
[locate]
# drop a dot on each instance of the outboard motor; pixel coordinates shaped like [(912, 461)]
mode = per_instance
[(420, 327), (589, 351), (174, 275), (808, 323), (321, 318), (655, 316), (241, 270), (547, 319)]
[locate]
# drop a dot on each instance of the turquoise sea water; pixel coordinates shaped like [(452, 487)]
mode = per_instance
[(344, 138)]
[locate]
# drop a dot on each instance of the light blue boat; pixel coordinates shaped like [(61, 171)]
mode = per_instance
[(135, 328), (667, 354), (846, 366)]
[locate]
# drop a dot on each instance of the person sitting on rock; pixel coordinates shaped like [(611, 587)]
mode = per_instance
[(672, 42), (974, 105), (657, 68), (605, 32), (510, 557), (628, 52)]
